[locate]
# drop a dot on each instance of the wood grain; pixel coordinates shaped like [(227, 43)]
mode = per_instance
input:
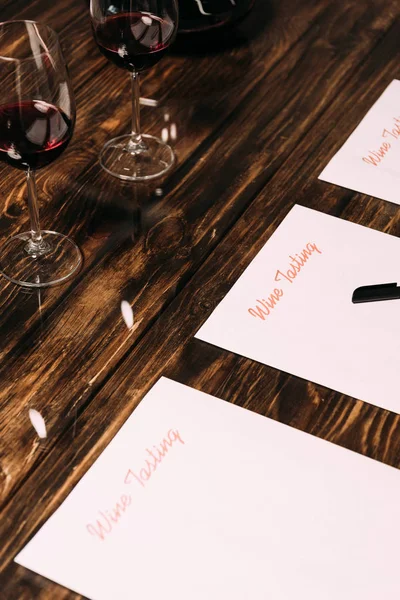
[(104, 341), (74, 195), (252, 146), (189, 233)]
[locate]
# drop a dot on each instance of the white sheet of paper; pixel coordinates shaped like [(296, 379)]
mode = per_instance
[(369, 161), (314, 330), (240, 507)]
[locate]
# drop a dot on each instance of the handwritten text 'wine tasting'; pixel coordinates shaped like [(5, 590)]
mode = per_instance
[(264, 306), (109, 518)]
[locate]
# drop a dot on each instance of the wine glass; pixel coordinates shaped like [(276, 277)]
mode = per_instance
[(134, 35), (37, 117)]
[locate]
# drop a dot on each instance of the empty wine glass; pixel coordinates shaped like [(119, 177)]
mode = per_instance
[(134, 35), (37, 117)]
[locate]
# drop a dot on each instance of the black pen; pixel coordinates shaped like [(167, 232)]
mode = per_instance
[(376, 293)]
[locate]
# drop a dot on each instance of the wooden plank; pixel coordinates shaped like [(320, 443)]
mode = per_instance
[(88, 329), (28, 586), (217, 369), (73, 217), (74, 187), (59, 181), (168, 347), (36, 10)]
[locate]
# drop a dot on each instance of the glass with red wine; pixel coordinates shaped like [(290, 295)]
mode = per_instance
[(37, 117), (134, 35)]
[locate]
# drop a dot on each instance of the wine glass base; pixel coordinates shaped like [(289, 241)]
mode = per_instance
[(59, 262), (124, 159)]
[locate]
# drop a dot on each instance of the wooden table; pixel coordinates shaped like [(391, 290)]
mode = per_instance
[(255, 124)]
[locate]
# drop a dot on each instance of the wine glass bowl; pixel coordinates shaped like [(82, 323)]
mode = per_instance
[(33, 133), (134, 35), (135, 40), (37, 118)]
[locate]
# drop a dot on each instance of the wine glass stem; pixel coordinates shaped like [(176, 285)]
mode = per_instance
[(136, 133), (36, 245)]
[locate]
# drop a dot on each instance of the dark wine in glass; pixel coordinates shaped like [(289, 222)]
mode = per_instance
[(134, 35), (33, 133), (37, 118), (134, 41)]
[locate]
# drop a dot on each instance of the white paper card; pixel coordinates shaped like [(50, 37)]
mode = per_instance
[(292, 307), (369, 161), (235, 506)]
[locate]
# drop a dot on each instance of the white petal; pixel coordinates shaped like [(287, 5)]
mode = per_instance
[(38, 423), (174, 132), (164, 134), (127, 313), (148, 102)]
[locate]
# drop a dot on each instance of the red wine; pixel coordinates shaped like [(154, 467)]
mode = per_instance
[(33, 133), (134, 41)]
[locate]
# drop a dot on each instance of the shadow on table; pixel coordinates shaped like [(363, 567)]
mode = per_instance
[(219, 40)]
